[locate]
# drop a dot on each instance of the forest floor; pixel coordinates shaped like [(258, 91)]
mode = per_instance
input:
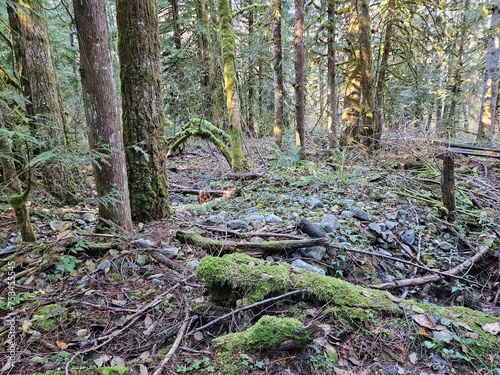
[(81, 302)]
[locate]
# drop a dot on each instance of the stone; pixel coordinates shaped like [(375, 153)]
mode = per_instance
[(193, 264), (273, 219), (134, 266), (257, 239), (358, 213), (220, 218), (170, 252), (142, 243), (255, 217), (431, 227), (391, 224), (299, 263), (237, 224), (57, 225), (345, 245), (314, 202), (374, 227), (89, 217), (329, 223), (445, 246), (315, 252), (384, 252), (400, 266), (104, 266), (346, 214), (391, 216), (409, 237)]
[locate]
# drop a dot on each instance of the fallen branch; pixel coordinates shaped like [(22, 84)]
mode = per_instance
[(249, 234), (250, 248)]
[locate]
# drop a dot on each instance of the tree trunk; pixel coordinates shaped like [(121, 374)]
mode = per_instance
[(175, 21), (251, 70), (332, 120), (279, 105), (379, 93), (40, 85), (142, 113), (239, 163), (299, 76), (101, 112), (491, 76), (17, 198)]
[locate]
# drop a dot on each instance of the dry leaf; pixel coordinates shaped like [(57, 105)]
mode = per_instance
[(423, 332), (492, 328), (61, 345), (99, 362), (425, 320), (413, 358)]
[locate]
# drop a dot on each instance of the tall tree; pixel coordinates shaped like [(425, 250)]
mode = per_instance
[(277, 72), (299, 76), (491, 77), (332, 119), (239, 162), (40, 85), (142, 113), (101, 112), (176, 23)]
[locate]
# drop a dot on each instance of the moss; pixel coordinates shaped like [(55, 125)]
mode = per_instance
[(48, 318), (268, 333), (90, 371)]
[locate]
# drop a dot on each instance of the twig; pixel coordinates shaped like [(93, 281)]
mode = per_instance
[(249, 234), (272, 299), (175, 345)]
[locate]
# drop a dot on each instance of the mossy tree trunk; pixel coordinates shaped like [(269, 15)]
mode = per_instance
[(279, 105), (299, 77), (491, 77), (239, 162), (101, 111), (40, 85), (143, 119), (332, 121), (17, 198)]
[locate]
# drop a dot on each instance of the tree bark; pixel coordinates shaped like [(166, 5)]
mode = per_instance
[(142, 108), (299, 76), (177, 26), (332, 120), (491, 77), (448, 186), (40, 85), (277, 73), (239, 163), (101, 112)]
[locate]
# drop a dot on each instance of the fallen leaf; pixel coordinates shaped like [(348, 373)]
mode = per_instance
[(413, 358), (492, 328), (61, 345), (423, 332), (464, 325), (417, 309), (443, 335), (99, 362), (425, 320)]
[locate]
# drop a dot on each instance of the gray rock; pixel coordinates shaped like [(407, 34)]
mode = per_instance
[(134, 266), (155, 281), (345, 214), (273, 219), (391, 216), (345, 244), (81, 222), (358, 213), (314, 202), (220, 218), (299, 263), (329, 223), (409, 237), (89, 217), (384, 252), (104, 266), (391, 224), (348, 202), (257, 240), (237, 224), (431, 227), (142, 243), (374, 227), (193, 264), (170, 252), (57, 225), (445, 246), (400, 266), (315, 252), (255, 217)]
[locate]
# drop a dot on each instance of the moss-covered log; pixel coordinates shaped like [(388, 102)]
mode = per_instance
[(250, 248)]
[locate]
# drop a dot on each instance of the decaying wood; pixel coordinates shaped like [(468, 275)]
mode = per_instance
[(254, 249), (249, 234), (195, 191), (474, 150), (310, 229), (243, 176), (448, 186)]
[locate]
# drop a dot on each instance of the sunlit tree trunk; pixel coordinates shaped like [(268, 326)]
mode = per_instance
[(251, 72), (142, 113), (40, 85), (239, 162), (101, 112), (176, 24), (382, 71), (332, 118), (491, 75), (299, 76), (277, 72)]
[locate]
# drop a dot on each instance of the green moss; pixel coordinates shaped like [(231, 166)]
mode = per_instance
[(90, 371), (48, 318), (268, 333)]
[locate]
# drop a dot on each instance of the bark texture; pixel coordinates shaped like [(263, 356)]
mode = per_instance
[(142, 108), (299, 75), (332, 119), (277, 72), (101, 112)]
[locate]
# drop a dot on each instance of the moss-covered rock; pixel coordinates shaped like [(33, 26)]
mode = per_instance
[(49, 317)]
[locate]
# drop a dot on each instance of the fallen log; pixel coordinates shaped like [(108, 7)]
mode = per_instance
[(220, 247)]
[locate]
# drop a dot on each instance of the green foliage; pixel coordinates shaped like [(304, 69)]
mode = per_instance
[(195, 365)]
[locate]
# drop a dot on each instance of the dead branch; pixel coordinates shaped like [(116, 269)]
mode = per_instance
[(249, 234)]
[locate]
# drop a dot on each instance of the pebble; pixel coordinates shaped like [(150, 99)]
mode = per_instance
[(314, 202), (89, 217), (257, 240), (345, 245), (134, 266), (57, 225), (445, 246), (299, 263), (104, 265), (193, 264), (391, 224), (358, 213), (409, 237), (220, 218), (431, 227), (384, 252), (329, 223), (345, 214), (237, 224), (315, 252), (376, 228), (170, 252), (142, 243), (273, 219)]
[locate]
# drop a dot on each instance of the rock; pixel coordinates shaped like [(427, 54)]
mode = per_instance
[(134, 266), (358, 213), (155, 281), (170, 252), (431, 227), (220, 218), (81, 222), (237, 224), (391, 224), (299, 263), (142, 243), (374, 227), (348, 202), (57, 225), (89, 217), (400, 266), (329, 223), (445, 246), (257, 239), (104, 266), (409, 237), (273, 219), (384, 252), (314, 202), (346, 214), (391, 216), (345, 245), (193, 264), (256, 221), (315, 252)]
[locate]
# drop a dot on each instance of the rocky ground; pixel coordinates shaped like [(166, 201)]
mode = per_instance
[(132, 303)]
